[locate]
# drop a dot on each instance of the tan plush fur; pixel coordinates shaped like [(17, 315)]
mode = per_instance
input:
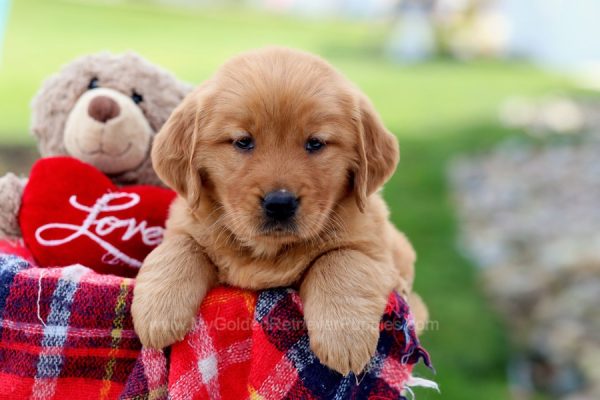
[(344, 256), (11, 190), (62, 123)]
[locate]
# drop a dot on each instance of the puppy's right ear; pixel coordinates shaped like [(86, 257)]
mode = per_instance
[(378, 152), (174, 147)]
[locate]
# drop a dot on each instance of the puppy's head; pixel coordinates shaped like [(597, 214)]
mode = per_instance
[(275, 140)]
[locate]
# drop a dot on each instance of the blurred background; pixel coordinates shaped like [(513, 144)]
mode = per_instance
[(496, 108)]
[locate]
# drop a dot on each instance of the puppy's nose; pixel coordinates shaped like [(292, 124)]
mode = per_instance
[(103, 109), (280, 205)]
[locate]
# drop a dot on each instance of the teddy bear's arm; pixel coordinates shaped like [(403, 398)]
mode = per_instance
[(11, 191)]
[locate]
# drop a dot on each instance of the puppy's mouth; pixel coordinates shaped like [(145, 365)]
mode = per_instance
[(279, 229)]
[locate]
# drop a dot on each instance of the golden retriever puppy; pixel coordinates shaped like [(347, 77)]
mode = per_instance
[(277, 160)]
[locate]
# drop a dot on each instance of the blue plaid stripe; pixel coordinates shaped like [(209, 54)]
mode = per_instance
[(267, 300), (55, 331), (10, 266)]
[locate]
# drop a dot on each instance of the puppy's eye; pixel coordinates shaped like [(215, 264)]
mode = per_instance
[(136, 97), (314, 144), (245, 143), (94, 83)]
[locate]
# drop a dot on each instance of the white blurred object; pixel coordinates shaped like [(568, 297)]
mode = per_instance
[(451, 6), (548, 116), (329, 8), (562, 34), (563, 116), (316, 7), (412, 38), (486, 35)]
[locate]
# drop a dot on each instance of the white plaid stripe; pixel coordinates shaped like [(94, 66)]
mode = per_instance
[(187, 385)]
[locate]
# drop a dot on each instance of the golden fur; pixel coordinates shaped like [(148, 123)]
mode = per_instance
[(345, 257)]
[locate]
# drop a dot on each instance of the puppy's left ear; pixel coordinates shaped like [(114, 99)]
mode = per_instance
[(173, 151), (378, 152)]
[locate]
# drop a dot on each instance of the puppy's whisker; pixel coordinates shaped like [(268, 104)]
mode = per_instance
[(232, 221), (218, 220)]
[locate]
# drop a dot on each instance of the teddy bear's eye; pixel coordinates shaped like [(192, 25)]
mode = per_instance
[(93, 83), (136, 97)]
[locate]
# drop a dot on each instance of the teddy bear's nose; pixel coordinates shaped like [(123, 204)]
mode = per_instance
[(103, 109)]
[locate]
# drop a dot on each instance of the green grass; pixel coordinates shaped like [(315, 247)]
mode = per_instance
[(437, 110)]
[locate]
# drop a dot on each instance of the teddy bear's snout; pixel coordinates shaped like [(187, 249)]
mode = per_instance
[(103, 109), (107, 129)]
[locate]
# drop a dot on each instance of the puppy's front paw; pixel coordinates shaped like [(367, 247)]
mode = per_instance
[(344, 345), (158, 321)]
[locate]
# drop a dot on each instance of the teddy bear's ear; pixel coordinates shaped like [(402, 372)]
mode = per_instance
[(174, 147)]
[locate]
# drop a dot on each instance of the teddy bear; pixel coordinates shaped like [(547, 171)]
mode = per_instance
[(103, 110)]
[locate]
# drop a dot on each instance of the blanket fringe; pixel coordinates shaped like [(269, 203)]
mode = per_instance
[(414, 381)]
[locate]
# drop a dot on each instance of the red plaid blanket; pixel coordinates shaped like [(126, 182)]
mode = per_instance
[(67, 333)]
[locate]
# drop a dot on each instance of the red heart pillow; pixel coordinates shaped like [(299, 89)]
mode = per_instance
[(72, 213)]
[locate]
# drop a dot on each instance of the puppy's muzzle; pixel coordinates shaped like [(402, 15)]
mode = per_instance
[(280, 206)]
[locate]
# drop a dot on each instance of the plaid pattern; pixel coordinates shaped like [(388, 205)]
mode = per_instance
[(249, 345), (67, 333), (64, 332)]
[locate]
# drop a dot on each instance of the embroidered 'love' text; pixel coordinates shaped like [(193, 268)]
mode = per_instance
[(95, 227)]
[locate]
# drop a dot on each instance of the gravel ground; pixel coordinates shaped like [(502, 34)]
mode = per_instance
[(529, 215)]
